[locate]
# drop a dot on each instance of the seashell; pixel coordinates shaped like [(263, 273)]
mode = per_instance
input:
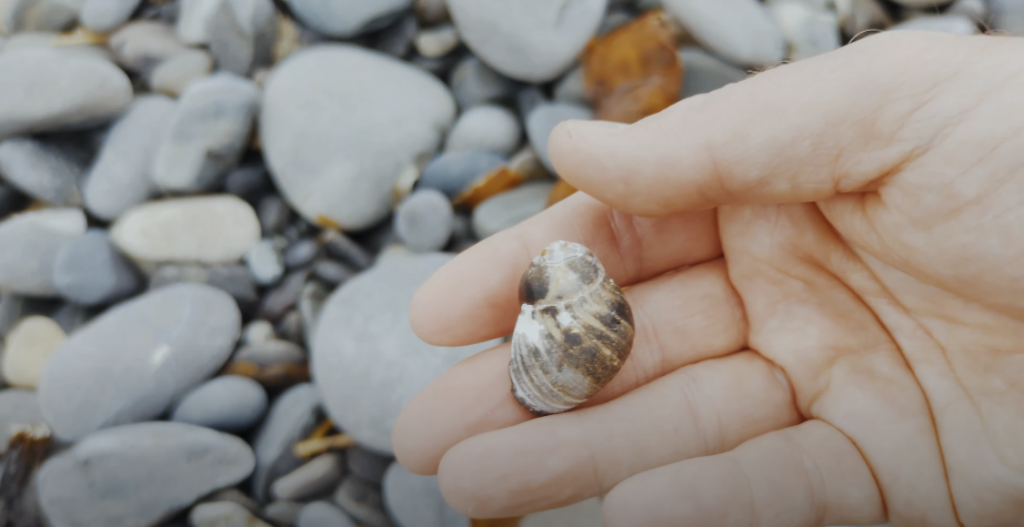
[(574, 331)]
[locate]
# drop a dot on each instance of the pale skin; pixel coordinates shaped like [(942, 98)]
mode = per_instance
[(824, 263)]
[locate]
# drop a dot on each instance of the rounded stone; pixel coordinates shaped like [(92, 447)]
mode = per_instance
[(346, 18), (452, 172), (230, 403), (416, 501), (174, 75), (705, 72), (487, 127), (423, 221), (103, 16), (740, 31), (18, 408), (31, 242), (265, 263), (316, 477), (323, 514), (292, 417), (90, 271), (223, 514), (143, 44), (508, 209), (955, 24), (27, 349), (543, 120), (46, 169)]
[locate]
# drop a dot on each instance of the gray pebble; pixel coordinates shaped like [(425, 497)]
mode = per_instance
[(223, 514), (311, 302), (194, 20), (809, 29), (346, 18), (290, 327), (332, 272), (437, 41), (271, 352), (323, 514), (396, 39), (473, 83), (340, 246), (416, 501), (529, 98), (17, 408), (452, 172), (229, 403), (366, 464), (175, 74), (740, 31), (265, 263), (107, 478), (1007, 15), (241, 35), (486, 127), (423, 221), (142, 45), (89, 271), (49, 169), (233, 279), (955, 24), (280, 299), (236, 496), (614, 19), (432, 11), (510, 208), (283, 512), (544, 118), (570, 87), (248, 182), (316, 478), (363, 502), (32, 241), (38, 15), (301, 253), (257, 331), (705, 73), (291, 418), (103, 16)]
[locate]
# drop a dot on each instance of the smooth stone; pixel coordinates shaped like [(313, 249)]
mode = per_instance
[(346, 18), (586, 513), (139, 474), (36, 97), (274, 214), (265, 263), (508, 209), (27, 348), (248, 181), (369, 466), (290, 326), (38, 15), (242, 34), (11, 200), (416, 501), (739, 31), (90, 271), (533, 41), (431, 12), (141, 45), (256, 332), (32, 241), (423, 221), (338, 245), (292, 418), (18, 408), (119, 177), (174, 75), (70, 317), (310, 304), (340, 161), (543, 120), (323, 514), (223, 514), (363, 502), (208, 133), (705, 72), (474, 83), (332, 272), (365, 350), (451, 172), (856, 16), (133, 360), (301, 253), (809, 30), (397, 39), (233, 279), (233, 495), (1007, 15), (437, 41), (955, 24), (205, 229), (271, 352), (570, 88), (194, 21), (104, 16), (284, 512), (228, 403), (15, 307), (48, 169), (529, 98), (486, 127), (282, 298), (317, 476)]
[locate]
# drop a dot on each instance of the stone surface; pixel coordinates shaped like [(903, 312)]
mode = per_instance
[(242, 34), (808, 29), (856, 16), (283, 512), (271, 352), (368, 465), (474, 82), (423, 221), (143, 44), (38, 15), (301, 253), (315, 478), (17, 408), (416, 501), (27, 348), (257, 331), (323, 514), (104, 16), (204, 229), (175, 74), (346, 18), (528, 40), (740, 31), (129, 363), (544, 118), (487, 127), (452, 172), (705, 73), (194, 20), (583, 514), (364, 349), (437, 41), (32, 241), (570, 87), (332, 272), (340, 161), (283, 297), (265, 263), (35, 96), (233, 279), (108, 478), (1007, 15), (510, 208), (291, 418), (363, 502), (48, 169), (89, 271), (229, 403), (955, 24)]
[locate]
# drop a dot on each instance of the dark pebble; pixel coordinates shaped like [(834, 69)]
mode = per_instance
[(396, 39), (367, 465), (280, 299), (248, 182), (342, 247), (363, 501), (273, 213), (301, 253), (234, 279), (332, 272), (290, 327)]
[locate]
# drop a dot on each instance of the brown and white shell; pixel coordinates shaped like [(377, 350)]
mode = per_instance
[(574, 331)]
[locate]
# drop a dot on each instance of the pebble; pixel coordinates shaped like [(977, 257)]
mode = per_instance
[(532, 41), (141, 45), (89, 271), (104, 16), (437, 41), (432, 12), (570, 88), (242, 34), (955, 24), (301, 253), (27, 348), (35, 96), (204, 229), (323, 514), (369, 466), (271, 352), (38, 15), (228, 403), (316, 477), (423, 221), (416, 501), (119, 177), (208, 133), (47, 169), (265, 263), (332, 272), (17, 408), (282, 298), (257, 331), (311, 302), (248, 181), (510, 208), (397, 39), (740, 31), (233, 279), (194, 20), (129, 363), (705, 73), (108, 478), (451, 172), (1007, 15), (364, 349), (486, 127), (233, 495), (346, 18), (292, 418), (363, 502), (174, 75), (586, 513), (529, 98), (340, 246), (274, 214), (808, 29), (284, 512), (290, 326), (543, 120), (70, 317), (856, 16), (473, 83), (223, 514), (340, 161), (32, 241)]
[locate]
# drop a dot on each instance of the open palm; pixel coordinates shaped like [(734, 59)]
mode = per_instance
[(823, 263)]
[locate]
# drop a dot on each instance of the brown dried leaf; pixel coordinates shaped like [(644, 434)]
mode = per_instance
[(560, 191), (500, 522), (497, 181), (311, 447), (271, 376)]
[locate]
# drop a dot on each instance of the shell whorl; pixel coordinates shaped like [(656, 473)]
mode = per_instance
[(574, 331)]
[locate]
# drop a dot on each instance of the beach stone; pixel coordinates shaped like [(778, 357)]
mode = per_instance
[(271, 352), (257, 331), (38, 15), (301, 253), (139, 474), (363, 502), (416, 501), (397, 38), (739, 31), (284, 296), (543, 120), (586, 513), (223, 514), (89, 271), (474, 82), (119, 178), (338, 245), (18, 408), (510, 208), (175, 74), (316, 477), (283, 512), (248, 181), (48, 169), (437, 41), (332, 272), (27, 348), (290, 327), (229, 403), (323, 514), (274, 214), (451, 172), (423, 221), (346, 18), (194, 21), (204, 229), (70, 317), (1007, 15), (36, 97), (242, 33), (129, 363), (340, 161), (705, 73), (208, 133), (364, 349), (104, 16), (486, 127), (856, 16), (570, 87), (141, 45), (310, 303), (369, 466), (532, 41), (292, 417), (808, 29), (233, 279), (955, 24), (32, 241), (265, 263), (432, 12)]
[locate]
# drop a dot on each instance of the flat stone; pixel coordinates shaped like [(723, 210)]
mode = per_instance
[(38, 15), (257, 331), (423, 221), (242, 34), (486, 127), (808, 29), (233, 279), (1007, 15), (229, 403), (194, 20), (104, 16), (583, 514), (437, 41), (175, 74), (416, 501), (204, 229), (338, 245), (364, 349), (363, 502), (129, 363), (346, 18), (271, 352), (265, 263), (543, 120), (282, 298), (89, 270), (284, 512), (369, 466), (332, 272), (223, 514), (317, 477), (452, 172), (27, 349), (292, 417), (18, 408), (301, 253), (739, 31), (274, 214), (31, 242), (705, 73), (955, 24), (508, 209), (339, 162), (474, 82), (48, 169), (108, 478), (323, 514), (533, 41), (143, 44)]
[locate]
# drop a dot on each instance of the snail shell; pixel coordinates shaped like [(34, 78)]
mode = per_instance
[(573, 334)]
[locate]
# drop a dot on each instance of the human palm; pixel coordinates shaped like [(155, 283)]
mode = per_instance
[(829, 318)]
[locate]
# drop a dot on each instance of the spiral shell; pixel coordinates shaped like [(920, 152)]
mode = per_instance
[(573, 334)]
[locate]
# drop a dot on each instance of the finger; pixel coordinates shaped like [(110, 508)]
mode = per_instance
[(702, 409), (809, 475), (681, 318), (475, 297), (801, 132)]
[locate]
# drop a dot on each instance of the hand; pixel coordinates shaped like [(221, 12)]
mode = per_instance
[(824, 264)]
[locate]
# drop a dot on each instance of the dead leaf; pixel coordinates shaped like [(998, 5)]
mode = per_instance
[(500, 522), (497, 181)]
